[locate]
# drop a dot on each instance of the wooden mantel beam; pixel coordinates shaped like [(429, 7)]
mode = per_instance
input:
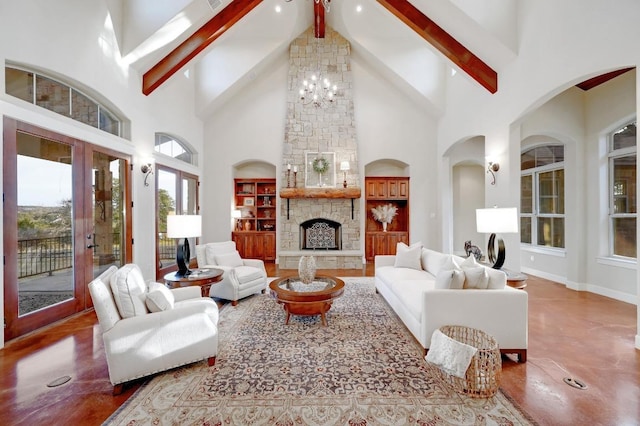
[(444, 42), (196, 43)]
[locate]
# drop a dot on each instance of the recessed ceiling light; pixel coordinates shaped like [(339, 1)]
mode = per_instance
[(359, 8), (278, 8)]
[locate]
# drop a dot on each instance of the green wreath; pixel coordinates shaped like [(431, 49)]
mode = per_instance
[(320, 165)]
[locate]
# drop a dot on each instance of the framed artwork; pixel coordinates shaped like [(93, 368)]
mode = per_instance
[(320, 169), (248, 202)]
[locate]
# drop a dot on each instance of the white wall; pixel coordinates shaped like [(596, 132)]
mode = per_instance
[(468, 195)]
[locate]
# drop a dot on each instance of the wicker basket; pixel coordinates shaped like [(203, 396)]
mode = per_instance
[(483, 375)]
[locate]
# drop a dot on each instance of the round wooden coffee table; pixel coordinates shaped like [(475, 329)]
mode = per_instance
[(200, 277), (310, 299)]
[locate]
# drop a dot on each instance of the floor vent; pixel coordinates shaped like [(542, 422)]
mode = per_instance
[(575, 383), (59, 381)]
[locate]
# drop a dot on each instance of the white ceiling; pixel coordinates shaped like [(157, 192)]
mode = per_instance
[(147, 30)]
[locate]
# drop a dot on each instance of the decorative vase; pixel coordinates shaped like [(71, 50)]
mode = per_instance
[(307, 269), (384, 226)]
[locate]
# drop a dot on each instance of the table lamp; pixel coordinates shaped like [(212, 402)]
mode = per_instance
[(344, 167), (497, 220), (183, 226)]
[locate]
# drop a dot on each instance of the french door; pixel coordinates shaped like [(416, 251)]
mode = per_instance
[(66, 219)]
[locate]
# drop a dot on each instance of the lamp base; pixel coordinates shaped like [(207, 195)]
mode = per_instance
[(183, 253), (499, 260)]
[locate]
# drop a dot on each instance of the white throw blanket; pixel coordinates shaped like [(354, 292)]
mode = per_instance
[(451, 356)]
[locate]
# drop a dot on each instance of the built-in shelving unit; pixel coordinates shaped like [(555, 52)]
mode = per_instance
[(380, 191), (255, 230)]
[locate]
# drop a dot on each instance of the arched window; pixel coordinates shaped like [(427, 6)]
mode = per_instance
[(542, 196), (622, 191), (61, 98), (174, 148)]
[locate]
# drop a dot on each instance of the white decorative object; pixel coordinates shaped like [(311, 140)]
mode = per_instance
[(307, 269), (384, 214)]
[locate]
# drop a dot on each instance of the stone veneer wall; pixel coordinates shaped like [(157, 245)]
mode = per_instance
[(325, 129)]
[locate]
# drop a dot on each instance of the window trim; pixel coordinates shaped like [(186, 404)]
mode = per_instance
[(611, 156), (535, 214)]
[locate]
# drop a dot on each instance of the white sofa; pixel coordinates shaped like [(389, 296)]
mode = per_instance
[(241, 278), (137, 343), (411, 289)]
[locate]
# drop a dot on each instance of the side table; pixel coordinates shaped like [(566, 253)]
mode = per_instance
[(516, 279), (200, 277)]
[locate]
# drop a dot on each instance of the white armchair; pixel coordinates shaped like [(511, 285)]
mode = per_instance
[(241, 278), (149, 329)]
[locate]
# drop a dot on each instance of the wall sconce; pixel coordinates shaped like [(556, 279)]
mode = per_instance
[(146, 169), (492, 168), (344, 167)]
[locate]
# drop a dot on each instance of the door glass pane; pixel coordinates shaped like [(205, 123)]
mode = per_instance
[(167, 184), (109, 221), (551, 232), (189, 205), (624, 236), (624, 184), (551, 190), (525, 230), (45, 226)]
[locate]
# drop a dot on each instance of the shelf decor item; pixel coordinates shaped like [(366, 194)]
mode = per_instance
[(320, 169), (307, 269), (384, 214)]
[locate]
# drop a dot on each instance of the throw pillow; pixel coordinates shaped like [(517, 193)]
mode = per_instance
[(451, 356), (408, 256), (159, 298), (469, 262), (450, 279), (450, 263), (229, 259), (476, 278), (129, 291)]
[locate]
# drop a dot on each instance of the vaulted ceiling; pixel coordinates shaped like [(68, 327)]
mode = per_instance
[(225, 44)]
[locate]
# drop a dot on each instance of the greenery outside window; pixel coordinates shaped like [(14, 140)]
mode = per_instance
[(46, 92), (622, 191), (542, 214)]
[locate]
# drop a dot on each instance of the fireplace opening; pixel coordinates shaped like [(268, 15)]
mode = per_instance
[(320, 234)]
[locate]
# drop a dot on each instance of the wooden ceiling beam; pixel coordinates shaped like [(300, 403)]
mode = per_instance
[(318, 19), (444, 42), (196, 43), (600, 79)]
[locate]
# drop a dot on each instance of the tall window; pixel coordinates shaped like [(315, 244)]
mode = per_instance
[(542, 196), (60, 98), (622, 191), (174, 148)]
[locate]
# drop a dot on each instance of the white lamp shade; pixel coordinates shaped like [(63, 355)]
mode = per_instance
[(497, 221), (236, 214), (344, 166), (184, 226)]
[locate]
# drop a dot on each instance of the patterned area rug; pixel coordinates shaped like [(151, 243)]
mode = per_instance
[(364, 368)]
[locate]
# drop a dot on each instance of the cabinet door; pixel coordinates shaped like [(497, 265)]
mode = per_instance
[(377, 188), (394, 238), (403, 189), (270, 246), (393, 188)]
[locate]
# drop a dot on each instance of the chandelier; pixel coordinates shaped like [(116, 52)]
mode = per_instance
[(317, 91)]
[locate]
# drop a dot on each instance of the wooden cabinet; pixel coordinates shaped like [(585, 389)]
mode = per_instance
[(383, 243), (256, 244), (381, 191), (255, 230)]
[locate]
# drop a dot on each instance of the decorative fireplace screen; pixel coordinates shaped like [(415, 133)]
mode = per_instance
[(320, 234)]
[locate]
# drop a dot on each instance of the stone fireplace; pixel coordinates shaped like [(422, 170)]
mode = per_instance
[(315, 216)]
